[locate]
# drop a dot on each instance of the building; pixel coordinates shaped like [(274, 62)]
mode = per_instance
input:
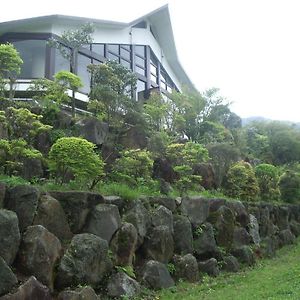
[(145, 45)]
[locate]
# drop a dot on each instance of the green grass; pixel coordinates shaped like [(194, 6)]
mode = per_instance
[(278, 278)]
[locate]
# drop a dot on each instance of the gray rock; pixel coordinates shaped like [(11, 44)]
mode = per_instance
[(9, 235), (183, 236), (93, 130), (196, 209), (254, 230), (51, 215), (286, 237), (230, 264), (140, 218), (295, 227), (269, 245), (32, 168), (159, 244), (156, 276), (86, 261), (38, 254), (186, 268), (162, 216), (104, 220), (240, 212), (165, 201), (115, 200), (2, 194), (123, 245), (121, 285), (82, 293), (32, 289), (240, 237), (209, 267), (77, 205), (245, 255), (23, 199), (204, 241), (215, 204), (7, 278), (283, 218)]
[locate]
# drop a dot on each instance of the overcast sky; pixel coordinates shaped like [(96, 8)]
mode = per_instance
[(250, 49)]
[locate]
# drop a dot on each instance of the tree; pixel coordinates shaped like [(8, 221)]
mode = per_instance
[(76, 156), (289, 184), (241, 182), (112, 86), (69, 44), (268, 177), (10, 65)]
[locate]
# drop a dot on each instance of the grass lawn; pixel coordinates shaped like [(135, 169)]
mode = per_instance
[(277, 278)]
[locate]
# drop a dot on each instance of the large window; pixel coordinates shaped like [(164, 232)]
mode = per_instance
[(61, 63), (33, 53), (82, 72), (140, 59)]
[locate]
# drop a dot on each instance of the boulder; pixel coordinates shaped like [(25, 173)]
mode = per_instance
[(134, 138), (38, 254), (2, 194), (159, 244), (223, 221), (268, 246), (254, 229), (295, 227), (43, 142), (123, 245), (140, 218), (207, 173), (163, 169), (286, 237), (196, 209), (204, 241), (32, 289), (186, 268), (121, 285), (240, 237), (93, 130), (162, 216), (230, 264), (7, 278), (23, 199), (240, 213), (210, 267), (86, 261), (9, 235), (165, 201), (51, 215), (215, 204), (63, 120), (104, 220), (183, 236), (81, 293), (155, 275), (283, 218), (245, 255), (32, 168), (115, 200), (77, 206)]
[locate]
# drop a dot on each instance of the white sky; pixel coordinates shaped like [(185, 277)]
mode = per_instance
[(250, 49)]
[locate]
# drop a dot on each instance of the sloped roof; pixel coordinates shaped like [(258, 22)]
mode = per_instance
[(160, 24)]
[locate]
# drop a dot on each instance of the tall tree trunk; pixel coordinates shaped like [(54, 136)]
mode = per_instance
[(73, 104), (11, 89), (73, 60)]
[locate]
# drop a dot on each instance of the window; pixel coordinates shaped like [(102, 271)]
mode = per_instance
[(98, 48), (33, 53), (83, 61), (140, 51), (61, 63)]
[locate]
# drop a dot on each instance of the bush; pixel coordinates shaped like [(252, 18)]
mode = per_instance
[(133, 167), (289, 184), (241, 182), (75, 156), (268, 178)]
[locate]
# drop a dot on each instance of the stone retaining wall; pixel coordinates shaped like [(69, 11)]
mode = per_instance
[(80, 245)]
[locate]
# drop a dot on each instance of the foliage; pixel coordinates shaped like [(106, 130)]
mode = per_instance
[(76, 156), (112, 84), (241, 182), (133, 167), (183, 157), (211, 132), (10, 66), (13, 153), (289, 184), (12, 181), (158, 143), (24, 124), (268, 178)]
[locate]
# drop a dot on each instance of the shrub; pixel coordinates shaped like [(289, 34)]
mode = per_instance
[(267, 177), (289, 184), (133, 167), (76, 156), (241, 182)]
